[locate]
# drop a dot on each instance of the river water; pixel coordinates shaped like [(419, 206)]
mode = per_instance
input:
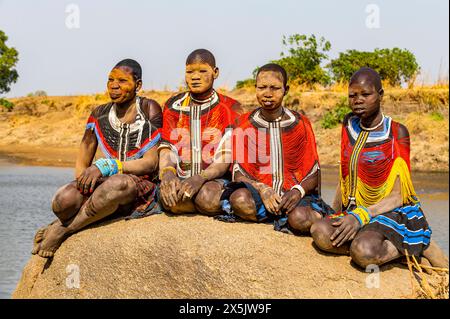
[(25, 205)]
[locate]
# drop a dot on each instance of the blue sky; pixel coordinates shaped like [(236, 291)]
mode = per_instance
[(241, 33)]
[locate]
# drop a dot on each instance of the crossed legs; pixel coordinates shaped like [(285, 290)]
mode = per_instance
[(243, 205), (75, 211), (206, 202)]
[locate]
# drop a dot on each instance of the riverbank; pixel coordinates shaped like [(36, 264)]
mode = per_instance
[(38, 155), (47, 130)]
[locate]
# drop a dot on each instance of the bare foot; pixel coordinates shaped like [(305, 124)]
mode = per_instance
[(54, 236), (40, 234), (37, 239)]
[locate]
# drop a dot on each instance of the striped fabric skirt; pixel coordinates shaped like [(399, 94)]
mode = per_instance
[(406, 227)]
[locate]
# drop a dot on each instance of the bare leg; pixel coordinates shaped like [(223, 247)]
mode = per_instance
[(302, 218), (435, 255), (207, 200), (321, 232), (115, 191), (184, 207), (372, 248), (65, 204), (243, 205)]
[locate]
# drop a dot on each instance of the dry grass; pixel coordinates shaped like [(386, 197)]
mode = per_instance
[(435, 286)]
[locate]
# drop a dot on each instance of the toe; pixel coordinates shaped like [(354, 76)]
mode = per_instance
[(39, 235), (35, 249), (44, 254)]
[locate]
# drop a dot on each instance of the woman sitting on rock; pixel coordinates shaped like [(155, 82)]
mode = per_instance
[(128, 132), (379, 217), (276, 169), (193, 170)]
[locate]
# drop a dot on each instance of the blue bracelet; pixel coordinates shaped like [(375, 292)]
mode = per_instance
[(107, 166), (357, 217), (114, 167)]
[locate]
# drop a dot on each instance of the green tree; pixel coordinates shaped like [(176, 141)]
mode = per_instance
[(395, 65), (303, 59), (336, 115), (8, 60)]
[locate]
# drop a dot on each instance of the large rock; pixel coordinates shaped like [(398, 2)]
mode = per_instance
[(198, 257)]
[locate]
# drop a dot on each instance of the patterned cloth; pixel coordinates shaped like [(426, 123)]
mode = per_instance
[(406, 227), (124, 141), (194, 132), (147, 201), (280, 154), (279, 221), (371, 162), (127, 142)]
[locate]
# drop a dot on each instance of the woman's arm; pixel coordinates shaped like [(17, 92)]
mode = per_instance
[(170, 183), (390, 202), (86, 153), (239, 177), (337, 201), (143, 166)]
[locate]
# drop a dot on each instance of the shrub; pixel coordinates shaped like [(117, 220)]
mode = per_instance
[(7, 104), (436, 116), (336, 115), (37, 93), (303, 59), (396, 66)]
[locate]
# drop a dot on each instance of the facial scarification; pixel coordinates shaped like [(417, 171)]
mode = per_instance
[(270, 89), (200, 77), (121, 85)]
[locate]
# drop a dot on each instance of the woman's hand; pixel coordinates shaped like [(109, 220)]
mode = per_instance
[(87, 180), (347, 228), (290, 200), (271, 200), (170, 184), (190, 186)]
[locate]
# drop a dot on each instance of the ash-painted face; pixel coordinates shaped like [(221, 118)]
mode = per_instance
[(122, 86), (270, 89), (200, 77), (364, 99)]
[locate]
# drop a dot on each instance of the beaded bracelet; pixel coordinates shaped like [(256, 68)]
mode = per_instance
[(362, 215), (204, 175), (300, 189), (119, 166), (165, 169), (109, 167)]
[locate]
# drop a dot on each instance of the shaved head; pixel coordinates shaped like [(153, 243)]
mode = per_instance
[(274, 68), (368, 75), (133, 66), (201, 56)]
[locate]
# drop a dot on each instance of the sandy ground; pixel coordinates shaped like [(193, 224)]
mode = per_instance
[(38, 155)]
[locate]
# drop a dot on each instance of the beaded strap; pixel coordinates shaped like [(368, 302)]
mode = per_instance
[(109, 167), (165, 169), (362, 215)]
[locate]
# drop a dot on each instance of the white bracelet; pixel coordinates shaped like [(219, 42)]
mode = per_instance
[(300, 189)]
